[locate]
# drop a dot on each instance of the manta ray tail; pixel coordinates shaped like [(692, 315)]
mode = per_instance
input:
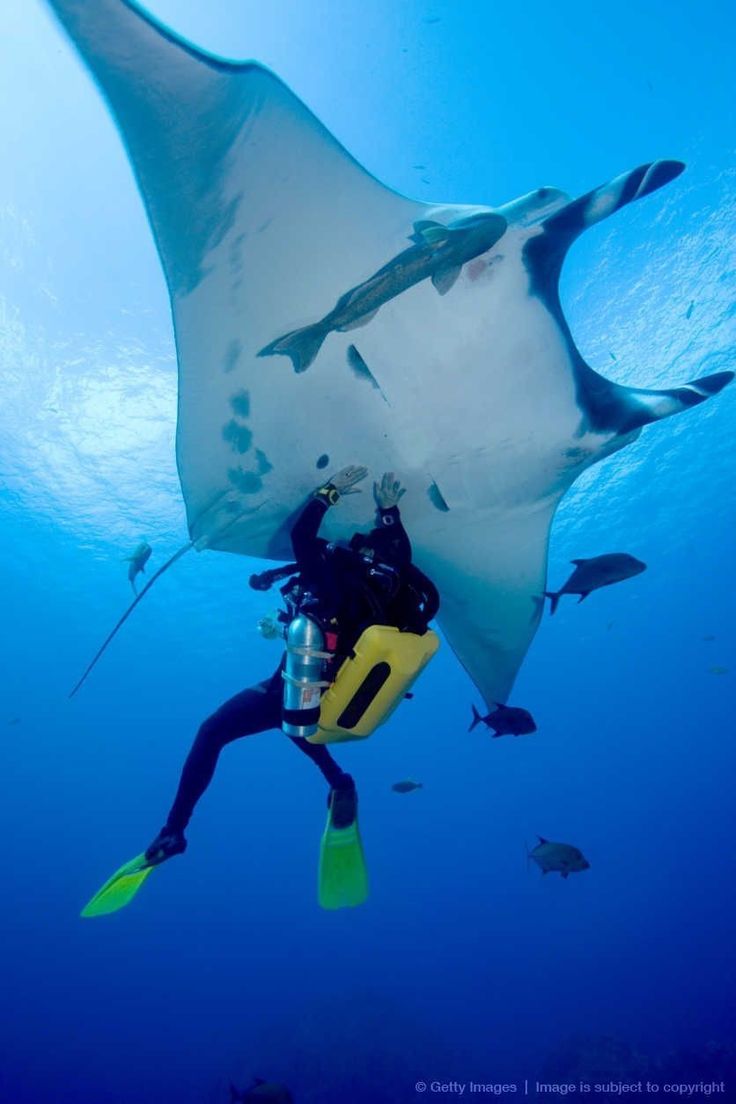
[(131, 607), (301, 346)]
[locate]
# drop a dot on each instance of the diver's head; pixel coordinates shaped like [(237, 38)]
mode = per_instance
[(380, 545)]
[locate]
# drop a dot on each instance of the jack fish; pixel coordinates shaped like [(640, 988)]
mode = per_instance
[(597, 572), (562, 857), (138, 562), (506, 720)]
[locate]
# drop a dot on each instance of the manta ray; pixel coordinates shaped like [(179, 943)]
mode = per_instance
[(323, 319)]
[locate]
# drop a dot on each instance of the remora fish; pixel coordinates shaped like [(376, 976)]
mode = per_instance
[(597, 572), (562, 857), (406, 786), (506, 720), (261, 1092), (438, 252)]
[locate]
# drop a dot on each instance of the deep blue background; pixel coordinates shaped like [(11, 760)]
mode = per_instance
[(463, 963)]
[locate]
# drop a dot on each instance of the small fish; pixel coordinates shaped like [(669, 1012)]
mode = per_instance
[(438, 252), (719, 670), (562, 857), (261, 1092), (506, 720), (138, 562), (13, 721), (597, 572), (709, 637), (689, 310), (406, 786)]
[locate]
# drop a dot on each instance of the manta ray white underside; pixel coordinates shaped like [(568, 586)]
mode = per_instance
[(475, 393)]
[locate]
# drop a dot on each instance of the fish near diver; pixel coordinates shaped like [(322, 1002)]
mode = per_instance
[(561, 858), (505, 720), (597, 572), (138, 561), (438, 252)]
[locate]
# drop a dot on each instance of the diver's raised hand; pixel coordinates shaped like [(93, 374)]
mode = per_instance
[(344, 481), (388, 492)]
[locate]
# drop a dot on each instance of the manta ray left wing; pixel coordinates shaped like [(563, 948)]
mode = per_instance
[(231, 166)]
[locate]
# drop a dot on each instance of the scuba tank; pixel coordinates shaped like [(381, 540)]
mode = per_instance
[(302, 675)]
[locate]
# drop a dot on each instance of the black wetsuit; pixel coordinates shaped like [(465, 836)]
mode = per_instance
[(337, 577)]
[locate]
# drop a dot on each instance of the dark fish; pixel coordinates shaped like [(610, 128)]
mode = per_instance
[(506, 720), (438, 252), (709, 637), (719, 670), (138, 562), (261, 1092), (597, 572), (562, 857), (406, 786), (689, 310), (13, 721)]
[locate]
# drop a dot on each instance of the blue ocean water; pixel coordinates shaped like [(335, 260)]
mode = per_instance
[(464, 965)]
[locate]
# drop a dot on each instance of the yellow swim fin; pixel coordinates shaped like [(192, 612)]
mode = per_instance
[(343, 878), (119, 890)]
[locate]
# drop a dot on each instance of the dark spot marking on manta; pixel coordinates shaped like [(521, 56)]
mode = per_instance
[(230, 360), (263, 464), (238, 436), (240, 404), (247, 482), (436, 498), (361, 369), (323, 461)]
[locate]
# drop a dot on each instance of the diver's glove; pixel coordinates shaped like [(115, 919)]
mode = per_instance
[(388, 492), (341, 483)]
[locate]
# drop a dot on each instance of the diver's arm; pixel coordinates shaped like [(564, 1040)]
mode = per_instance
[(430, 595), (388, 493), (304, 540), (389, 520)]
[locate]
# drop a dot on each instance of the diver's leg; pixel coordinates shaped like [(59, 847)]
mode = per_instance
[(320, 756), (254, 710)]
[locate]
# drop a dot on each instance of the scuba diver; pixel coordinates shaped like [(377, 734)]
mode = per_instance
[(336, 590)]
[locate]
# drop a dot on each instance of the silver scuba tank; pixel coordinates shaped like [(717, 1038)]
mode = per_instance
[(302, 675)]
